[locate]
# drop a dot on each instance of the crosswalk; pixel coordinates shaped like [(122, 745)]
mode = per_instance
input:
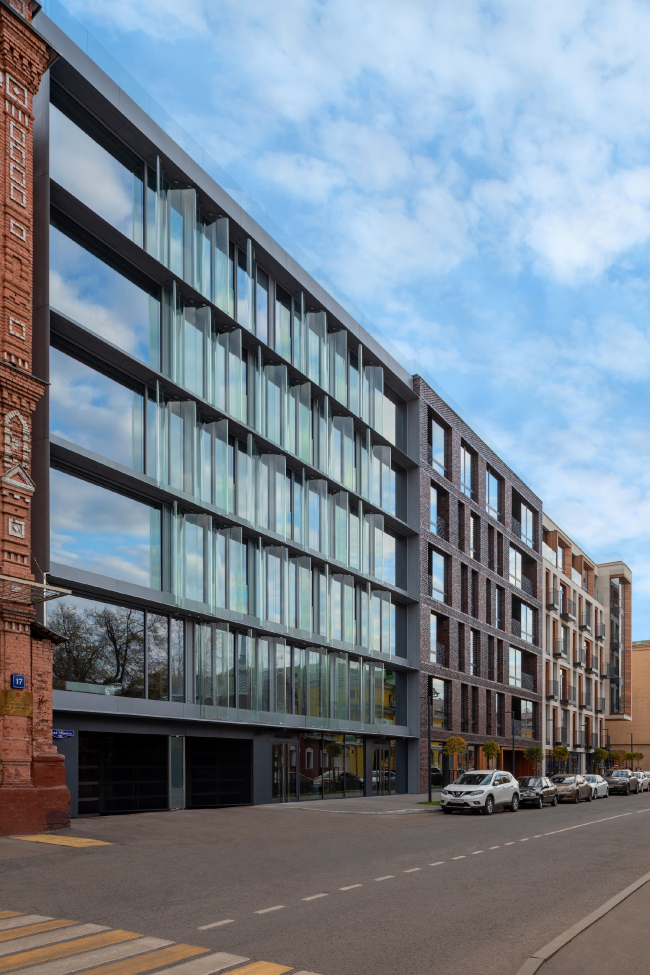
[(50, 946)]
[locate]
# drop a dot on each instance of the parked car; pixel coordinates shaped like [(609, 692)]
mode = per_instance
[(481, 792), (572, 788), (535, 791), (643, 781), (622, 780), (436, 776), (599, 787)]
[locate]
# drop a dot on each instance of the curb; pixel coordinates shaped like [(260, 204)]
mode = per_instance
[(535, 962)]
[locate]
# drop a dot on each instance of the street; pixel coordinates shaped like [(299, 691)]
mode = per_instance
[(322, 887)]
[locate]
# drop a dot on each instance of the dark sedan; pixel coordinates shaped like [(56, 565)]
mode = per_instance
[(535, 791), (622, 780), (572, 788)]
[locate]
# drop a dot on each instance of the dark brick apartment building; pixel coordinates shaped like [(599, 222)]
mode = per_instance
[(481, 580)]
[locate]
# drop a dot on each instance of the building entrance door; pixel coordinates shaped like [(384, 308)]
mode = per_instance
[(284, 773), (383, 770)]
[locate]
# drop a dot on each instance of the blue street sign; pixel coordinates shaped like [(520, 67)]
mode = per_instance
[(18, 682), (62, 733)]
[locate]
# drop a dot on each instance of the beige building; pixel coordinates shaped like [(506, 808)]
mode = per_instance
[(633, 734), (587, 647)]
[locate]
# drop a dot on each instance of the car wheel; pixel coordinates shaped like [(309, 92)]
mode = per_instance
[(540, 803), (594, 794), (590, 796), (514, 805), (627, 791), (576, 798), (488, 808), (446, 811), (554, 802), (606, 796)]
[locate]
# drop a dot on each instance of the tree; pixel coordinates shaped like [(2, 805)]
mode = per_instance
[(600, 754), (491, 751), (533, 754), (561, 753), (616, 756), (455, 745), (638, 757), (629, 757)]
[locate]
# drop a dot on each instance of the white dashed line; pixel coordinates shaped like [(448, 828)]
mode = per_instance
[(495, 847), (314, 897), (438, 863), (511, 843), (525, 839), (413, 870), (351, 887), (459, 858), (215, 924), (537, 836), (278, 907), (477, 851), (389, 876)]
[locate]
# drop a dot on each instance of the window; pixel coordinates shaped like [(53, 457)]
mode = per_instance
[(439, 703), (527, 532), (492, 494), (433, 510), (500, 619), (501, 711), (474, 710), (461, 526), (89, 291), (262, 305), (467, 462), (437, 649), (101, 531), (475, 654), (490, 658), (527, 623), (437, 446), (437, 587), (514, 667), (464, 707), (475, 537), (461, 647), (95, 412), (515, 568)]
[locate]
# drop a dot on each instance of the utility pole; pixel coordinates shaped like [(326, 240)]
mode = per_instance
[(429, 710)]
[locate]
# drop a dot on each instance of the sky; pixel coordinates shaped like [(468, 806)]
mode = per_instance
[(476, 178)]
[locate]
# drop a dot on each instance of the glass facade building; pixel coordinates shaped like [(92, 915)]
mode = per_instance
[(227, 480)]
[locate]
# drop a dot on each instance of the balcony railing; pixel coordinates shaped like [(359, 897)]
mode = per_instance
[(599, 597), (585, 700), (579, 738), (567, 694), (585, 621), (579, 657), (591, 662), (614, 645), (528, 682), (552, 599), (594, 739), (600, 705), (560, 736), (560, 649), (549, 554), (568, 609), (605, 671), (599, 631), (552, 690)]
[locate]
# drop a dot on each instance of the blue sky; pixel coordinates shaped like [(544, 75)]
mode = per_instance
[(476, 177)]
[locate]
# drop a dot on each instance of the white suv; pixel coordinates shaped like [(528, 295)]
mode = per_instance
[(481, 792)]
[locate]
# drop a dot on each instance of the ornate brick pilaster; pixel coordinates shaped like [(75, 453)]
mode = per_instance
[(33, 795)]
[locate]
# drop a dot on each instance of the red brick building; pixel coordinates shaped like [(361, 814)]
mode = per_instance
[(33, 795)]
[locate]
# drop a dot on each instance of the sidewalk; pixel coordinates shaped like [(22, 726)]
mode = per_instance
[(616, 943), (366, 806)]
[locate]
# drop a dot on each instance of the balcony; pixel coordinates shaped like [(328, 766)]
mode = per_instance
[(567, 694), (580, 738), (552, 690), (614, 645), (579, 657), (560, 649), (599, 597), (568, 610), (600, 705), (576, 577), (549, 554), (560, 736), (594, 739), (591, 662), (585, 700), (553, 599), (599, 631), (585, 621), (605, 671)]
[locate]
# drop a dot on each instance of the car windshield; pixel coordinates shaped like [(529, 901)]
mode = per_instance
[(530, 783), (564, 779), (591, 778), (473, 778), (620, 774)]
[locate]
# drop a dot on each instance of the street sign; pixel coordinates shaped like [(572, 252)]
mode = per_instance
[(18, 682), (62, 733)]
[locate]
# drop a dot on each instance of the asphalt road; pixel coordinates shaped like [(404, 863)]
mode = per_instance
[(499, 888)]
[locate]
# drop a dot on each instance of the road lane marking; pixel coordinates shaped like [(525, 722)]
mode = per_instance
[(27, 929), (75, 841), (389, 876), (495, 847), (477, 851), (153, 959), (351, 887), (438, 863), (525, 839), (511, 843), (260, 968), (459, 858), (278, 907), (11, 913), (79, 963), (216, 924), (314, 897), (537, 836), (10, 962), (413, 869), (49, 938), (206, 964)]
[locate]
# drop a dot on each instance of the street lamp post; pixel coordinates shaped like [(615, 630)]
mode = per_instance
[(429, 710)]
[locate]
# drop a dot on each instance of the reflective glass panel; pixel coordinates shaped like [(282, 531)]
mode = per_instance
[(157, 657)]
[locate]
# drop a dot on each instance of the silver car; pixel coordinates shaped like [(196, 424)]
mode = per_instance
[(644, 782), (599, 787)]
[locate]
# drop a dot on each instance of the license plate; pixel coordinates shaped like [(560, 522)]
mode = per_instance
[(455, 802)]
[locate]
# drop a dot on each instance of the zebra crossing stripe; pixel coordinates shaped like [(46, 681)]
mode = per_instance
[(19, 922), (145, 963), (77, 963), (50, 938), (11, 962), (12, 933), (207, 965)]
